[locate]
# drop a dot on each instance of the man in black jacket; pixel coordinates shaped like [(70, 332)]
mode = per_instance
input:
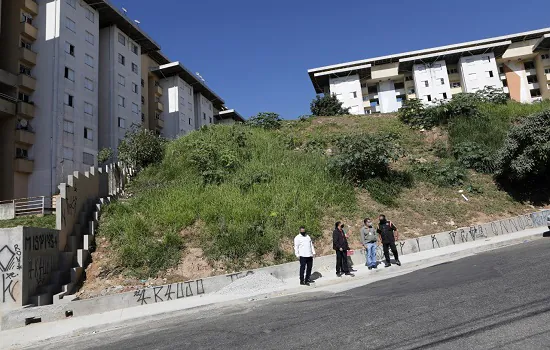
[(340, 245), (388, 235)]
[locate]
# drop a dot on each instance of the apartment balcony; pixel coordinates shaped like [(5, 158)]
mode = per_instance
[(159, 106), (25, 137), (532, 86), (25, 110), (31, 7), (7, 78), (29, 31), (158, 90), (27, 56), (23, 165), (27, 82), (400, 92), (7, 105), (454, 76), (548, 76), (456, 90), (160, 123), (529, 72)]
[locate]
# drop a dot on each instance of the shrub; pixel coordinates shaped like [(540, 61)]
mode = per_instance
[(474, 156), (525, 156), (363, 156), (387, 189), (492, 95), (141, 148), (328, 105), (414, 113), (444, 173), (463, 104), (105, 155), (266, 120)]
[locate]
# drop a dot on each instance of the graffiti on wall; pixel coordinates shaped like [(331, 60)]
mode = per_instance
[(10, 269), (169, 292)]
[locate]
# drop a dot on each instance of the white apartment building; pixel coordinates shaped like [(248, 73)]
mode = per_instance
[(66, 94), (188, 103), (518, 63)]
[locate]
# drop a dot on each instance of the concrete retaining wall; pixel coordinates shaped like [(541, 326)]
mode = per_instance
[(199, 287), (28, 258), (7, 211)]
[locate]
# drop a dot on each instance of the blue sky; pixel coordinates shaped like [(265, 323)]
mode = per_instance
[(255, 54)]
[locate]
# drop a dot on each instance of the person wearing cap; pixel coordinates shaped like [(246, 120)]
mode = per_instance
[(388, 235), (304, 250), (368, 239)]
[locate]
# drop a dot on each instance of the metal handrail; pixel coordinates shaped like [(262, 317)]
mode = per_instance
[(8, 97)]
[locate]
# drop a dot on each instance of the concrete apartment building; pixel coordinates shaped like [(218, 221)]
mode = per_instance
[(75, 76), (519, 64)]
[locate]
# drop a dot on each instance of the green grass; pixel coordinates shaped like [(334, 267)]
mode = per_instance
[(46, 221), (242, 217)]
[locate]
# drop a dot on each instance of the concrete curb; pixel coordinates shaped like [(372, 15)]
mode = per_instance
[(150, 312), (206, 286)]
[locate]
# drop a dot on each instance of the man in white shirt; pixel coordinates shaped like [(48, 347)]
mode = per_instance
[(303, 249)]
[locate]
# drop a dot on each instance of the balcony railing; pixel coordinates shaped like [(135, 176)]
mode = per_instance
[(25, 109), (27, 82), (29, 31), (31, 7), (24, 165), (158, 90), (7, 104), (27, 56), (160, 106), (24, 136)]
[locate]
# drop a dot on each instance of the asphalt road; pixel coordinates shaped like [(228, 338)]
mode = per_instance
[(496, 300)]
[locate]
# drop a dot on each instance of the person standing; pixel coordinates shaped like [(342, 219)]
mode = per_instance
[(388, 235), (340, 245), (304, 250), (369, 238)]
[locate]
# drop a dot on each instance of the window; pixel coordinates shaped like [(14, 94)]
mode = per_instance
[(398, 86), (421, 68), (373, 103), (88, 134), (472, 76), (69, 48), (72, 3), (134, 68), (489, 74), (135, 108), (142, 117), (69, 100), (408, 78), (143, 100), (455, 84), (24, 97), (412, 91), (90, 15), (67, 153), (21, 153), (121, 59), (444, 95), (157, 115), (121, 101), (142, 83), (68, 127), (436, 67), (535, 93), (210, 120), (26, 18), (372, 89), (121, 80), (135, 88), (203, 115), (441, 81), (89, 60), (24, 70), (545, 56), (135, 49), (87, 158), (429, 98), (505, 83), (69, 73), (363, 85), (122, 39), (426, 83), (365, 98), (89, 84), (501, 69), (546, 70), (121, 123), (88, 108), (89, 37), (353, 94), (399, 99), (452, 71), (189, 121), (529, 65), (486, 59), (70, 25), (26, 44), (532, 79)]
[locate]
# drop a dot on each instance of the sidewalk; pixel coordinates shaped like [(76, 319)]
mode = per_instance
[(329, 282)]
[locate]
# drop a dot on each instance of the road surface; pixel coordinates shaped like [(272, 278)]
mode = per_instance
[(496, 300)]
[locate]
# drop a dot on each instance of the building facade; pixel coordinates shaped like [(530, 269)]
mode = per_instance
[(519, 64)]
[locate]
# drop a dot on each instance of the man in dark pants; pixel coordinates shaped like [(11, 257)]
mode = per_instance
[(303, 249), (340, 245), (388, 235)]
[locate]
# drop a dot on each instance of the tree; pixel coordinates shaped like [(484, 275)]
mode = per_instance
[(105, 155), (141, 148), (266, 120), (525, 156), (328, 105)]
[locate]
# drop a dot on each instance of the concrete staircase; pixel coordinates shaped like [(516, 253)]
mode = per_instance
[(73, 261)]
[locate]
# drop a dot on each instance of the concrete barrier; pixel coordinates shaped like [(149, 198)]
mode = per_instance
[(7, 210), (324, 264)]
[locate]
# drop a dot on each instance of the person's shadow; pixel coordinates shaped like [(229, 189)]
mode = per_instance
[(315, 276)]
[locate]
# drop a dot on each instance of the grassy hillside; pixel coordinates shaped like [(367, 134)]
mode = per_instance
[(234, 197)]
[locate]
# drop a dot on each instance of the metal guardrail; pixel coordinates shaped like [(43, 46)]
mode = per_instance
[(9, 98), (33, 205)]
